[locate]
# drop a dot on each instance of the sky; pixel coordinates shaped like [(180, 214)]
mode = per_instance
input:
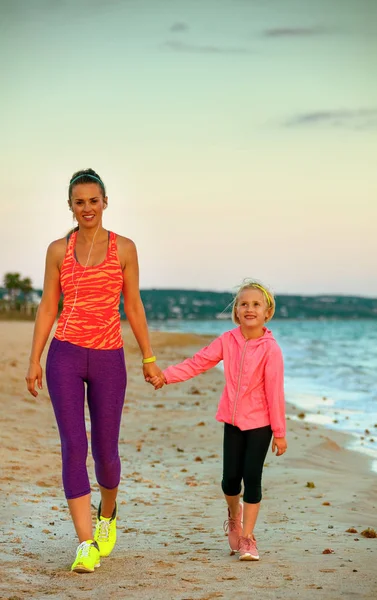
[(236, 138)]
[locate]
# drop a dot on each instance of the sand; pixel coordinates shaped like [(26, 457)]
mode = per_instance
[(171, 543)]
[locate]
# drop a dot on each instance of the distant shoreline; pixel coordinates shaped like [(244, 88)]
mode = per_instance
[(165, 305), (16, 316)]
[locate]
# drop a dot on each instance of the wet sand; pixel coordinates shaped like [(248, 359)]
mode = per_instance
[(171, 544)]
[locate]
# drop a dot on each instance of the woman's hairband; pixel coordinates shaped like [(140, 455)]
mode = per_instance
[(86, 175)]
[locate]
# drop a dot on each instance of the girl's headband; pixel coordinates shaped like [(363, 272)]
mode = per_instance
[(256, 285), (86, 175)]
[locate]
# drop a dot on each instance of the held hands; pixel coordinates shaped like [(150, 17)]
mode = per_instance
[(280, 445), (158, 381), (153, 375), (34, 374)]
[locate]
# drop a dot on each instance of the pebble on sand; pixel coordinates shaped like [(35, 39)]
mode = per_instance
[(369, 533)]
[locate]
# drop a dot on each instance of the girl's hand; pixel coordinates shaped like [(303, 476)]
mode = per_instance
[(158, 382), (34, 374), (280, 445)]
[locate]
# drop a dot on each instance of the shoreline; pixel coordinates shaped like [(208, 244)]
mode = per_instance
[(358, 441), (170, 539), (351, 440)]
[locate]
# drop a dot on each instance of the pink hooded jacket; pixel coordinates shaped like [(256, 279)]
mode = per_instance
[(254, 379)]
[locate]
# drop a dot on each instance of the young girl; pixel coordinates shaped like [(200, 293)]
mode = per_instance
[(92, 267), (251, 407)]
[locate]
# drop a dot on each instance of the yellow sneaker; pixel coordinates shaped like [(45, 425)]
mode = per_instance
[(106, 532), (87, 557)]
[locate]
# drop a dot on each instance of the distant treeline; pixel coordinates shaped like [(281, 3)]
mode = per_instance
[(162, 305), (193, 304)]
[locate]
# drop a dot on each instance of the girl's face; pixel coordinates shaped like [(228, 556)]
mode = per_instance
[(252, 310), (87, 204)]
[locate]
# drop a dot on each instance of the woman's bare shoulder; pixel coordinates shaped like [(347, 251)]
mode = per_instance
[(125, 243), (57, 248), (126, 251)]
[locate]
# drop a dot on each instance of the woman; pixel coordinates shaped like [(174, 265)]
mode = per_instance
[(92, 266)]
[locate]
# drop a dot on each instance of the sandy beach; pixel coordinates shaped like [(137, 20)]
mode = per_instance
[(171, 543)]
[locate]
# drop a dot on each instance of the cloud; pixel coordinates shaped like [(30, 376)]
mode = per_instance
[(289, 32), (361, 118), (205, 49), (179, 26)]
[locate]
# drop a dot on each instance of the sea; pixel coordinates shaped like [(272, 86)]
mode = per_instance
[(330, 371)]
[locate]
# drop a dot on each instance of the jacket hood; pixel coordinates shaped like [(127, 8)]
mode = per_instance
[(266, 338)]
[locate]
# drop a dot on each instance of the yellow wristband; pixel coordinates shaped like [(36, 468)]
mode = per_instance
[(151, 359)]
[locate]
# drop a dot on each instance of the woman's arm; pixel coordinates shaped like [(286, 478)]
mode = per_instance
[(133, 305), (46, 313)]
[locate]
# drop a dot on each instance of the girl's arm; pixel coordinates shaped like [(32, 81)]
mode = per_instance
[(133, 305), (203, 360), (46, 313), (274, 388)]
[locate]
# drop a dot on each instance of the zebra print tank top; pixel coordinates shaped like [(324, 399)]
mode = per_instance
[(90, 317)]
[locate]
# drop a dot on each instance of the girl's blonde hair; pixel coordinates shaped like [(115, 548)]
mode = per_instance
[(250, 284)]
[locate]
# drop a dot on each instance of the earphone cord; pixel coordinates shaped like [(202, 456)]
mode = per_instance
[(76, 287)]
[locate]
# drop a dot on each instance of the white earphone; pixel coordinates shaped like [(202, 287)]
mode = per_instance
[(76, 287)]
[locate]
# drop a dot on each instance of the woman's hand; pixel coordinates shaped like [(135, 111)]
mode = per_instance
[(280, 445), (34, 374), (151, 370)]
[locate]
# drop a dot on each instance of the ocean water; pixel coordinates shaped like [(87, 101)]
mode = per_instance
[(330, 371)]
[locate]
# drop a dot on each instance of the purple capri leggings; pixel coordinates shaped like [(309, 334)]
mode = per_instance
[(68, 368)]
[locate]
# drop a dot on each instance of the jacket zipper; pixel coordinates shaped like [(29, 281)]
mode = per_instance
[(239, 382)]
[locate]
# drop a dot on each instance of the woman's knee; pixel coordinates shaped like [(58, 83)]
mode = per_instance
[(107, 463), (74, 451), (108, 472)]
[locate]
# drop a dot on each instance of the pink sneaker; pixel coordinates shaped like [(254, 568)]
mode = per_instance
[(233, 527), (248, 548)]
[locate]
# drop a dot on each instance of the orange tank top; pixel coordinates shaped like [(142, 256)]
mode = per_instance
[(90, 315)]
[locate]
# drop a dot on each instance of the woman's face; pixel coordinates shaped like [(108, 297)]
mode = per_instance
[(87, 204)]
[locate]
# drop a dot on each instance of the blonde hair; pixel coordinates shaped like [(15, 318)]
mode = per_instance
[(252, 284)]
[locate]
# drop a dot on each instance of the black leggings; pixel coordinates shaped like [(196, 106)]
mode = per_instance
[(244, 454)]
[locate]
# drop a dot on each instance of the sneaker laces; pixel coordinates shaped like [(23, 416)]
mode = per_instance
[(247, 543), (103, 530), (230, 525), (84, 549)]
